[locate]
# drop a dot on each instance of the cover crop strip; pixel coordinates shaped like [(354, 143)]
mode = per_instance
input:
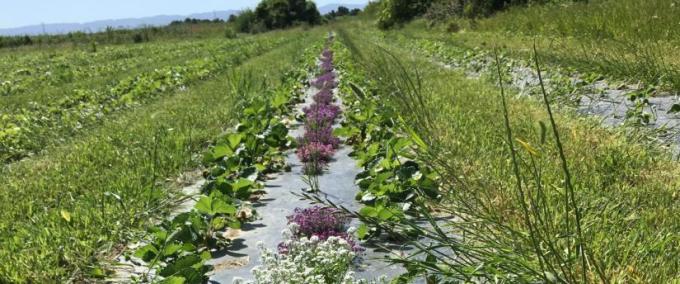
[(395, 182)]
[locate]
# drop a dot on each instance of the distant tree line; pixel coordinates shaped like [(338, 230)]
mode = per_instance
[(180, 29), (341, 12), (276, 14), (268, 15), (196, 21)]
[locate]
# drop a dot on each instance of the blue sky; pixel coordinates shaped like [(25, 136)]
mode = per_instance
[(16, 13)]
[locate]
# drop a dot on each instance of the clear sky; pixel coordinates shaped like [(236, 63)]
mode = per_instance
[(16, 13)]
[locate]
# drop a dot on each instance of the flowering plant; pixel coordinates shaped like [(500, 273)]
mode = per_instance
[(323, 135), (315, 151), (317, 219), (321, 114), (324, 223), (325, 80), (326, 65), (324, 96), (308, 260)]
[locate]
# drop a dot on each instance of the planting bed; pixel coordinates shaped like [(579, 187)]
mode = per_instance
[(616, 103), (266, 215)]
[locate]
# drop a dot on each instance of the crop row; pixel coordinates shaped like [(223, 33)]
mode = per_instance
[(236, 167), (28, 130), (394, 181), (22, 74)]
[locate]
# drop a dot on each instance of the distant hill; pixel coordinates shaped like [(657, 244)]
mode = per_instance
[(96, 26), (331, 7)]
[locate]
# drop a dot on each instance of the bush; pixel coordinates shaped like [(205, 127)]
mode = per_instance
[(230, 33), (394, 12), (137, 38)]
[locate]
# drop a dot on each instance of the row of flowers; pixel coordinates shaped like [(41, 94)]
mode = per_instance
[(318, 245), (318, 144)]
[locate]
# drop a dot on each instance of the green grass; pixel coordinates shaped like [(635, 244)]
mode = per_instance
[(115, 178), (52, 116), (625, 39), (626, 190)]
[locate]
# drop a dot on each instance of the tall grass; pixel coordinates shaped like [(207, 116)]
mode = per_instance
[(618, 20), (523, 201), (627, 38)]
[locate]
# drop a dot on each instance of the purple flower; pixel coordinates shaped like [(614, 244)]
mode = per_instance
[(323, 135), (324, 96), (322, 222), (325, 80), (317, 220), (327, 53), (326, 66), (321, 114), (315, 151)]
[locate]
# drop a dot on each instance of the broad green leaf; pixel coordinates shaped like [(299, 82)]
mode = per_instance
[(234, 140), (362, 231), (221, 151), (174, 280), (369, 211), (204, 205), (675, 108), (182, 263), (171, 249), (385, 214), (147, 252), (222, 207), (209, 206)]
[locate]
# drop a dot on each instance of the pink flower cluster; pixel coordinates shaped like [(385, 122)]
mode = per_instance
[(322, 222), (315, 151), (326, 80), (317, 145)]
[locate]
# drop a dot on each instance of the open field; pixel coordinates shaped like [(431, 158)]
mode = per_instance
[(112, 177), (535, 144)]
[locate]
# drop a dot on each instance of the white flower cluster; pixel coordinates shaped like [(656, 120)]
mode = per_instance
[(308, 261)]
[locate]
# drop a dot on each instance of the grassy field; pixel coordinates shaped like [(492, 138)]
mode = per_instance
[(623, 188), (632, 40), (112, 178), (92, 87), (96, 141)]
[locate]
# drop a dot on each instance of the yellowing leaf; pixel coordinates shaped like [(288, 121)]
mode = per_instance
[(66, 215), (528, 148)]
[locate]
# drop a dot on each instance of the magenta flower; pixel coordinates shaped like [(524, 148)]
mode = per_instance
[(321, 135), (315, 151), (321, 114), (324, 96), (323, 222), (325, 80)]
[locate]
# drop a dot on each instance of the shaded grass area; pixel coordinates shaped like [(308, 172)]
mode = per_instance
[(626, 191), (67, 209)]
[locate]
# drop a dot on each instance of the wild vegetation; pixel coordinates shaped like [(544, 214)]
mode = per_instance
[(466, 151)]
